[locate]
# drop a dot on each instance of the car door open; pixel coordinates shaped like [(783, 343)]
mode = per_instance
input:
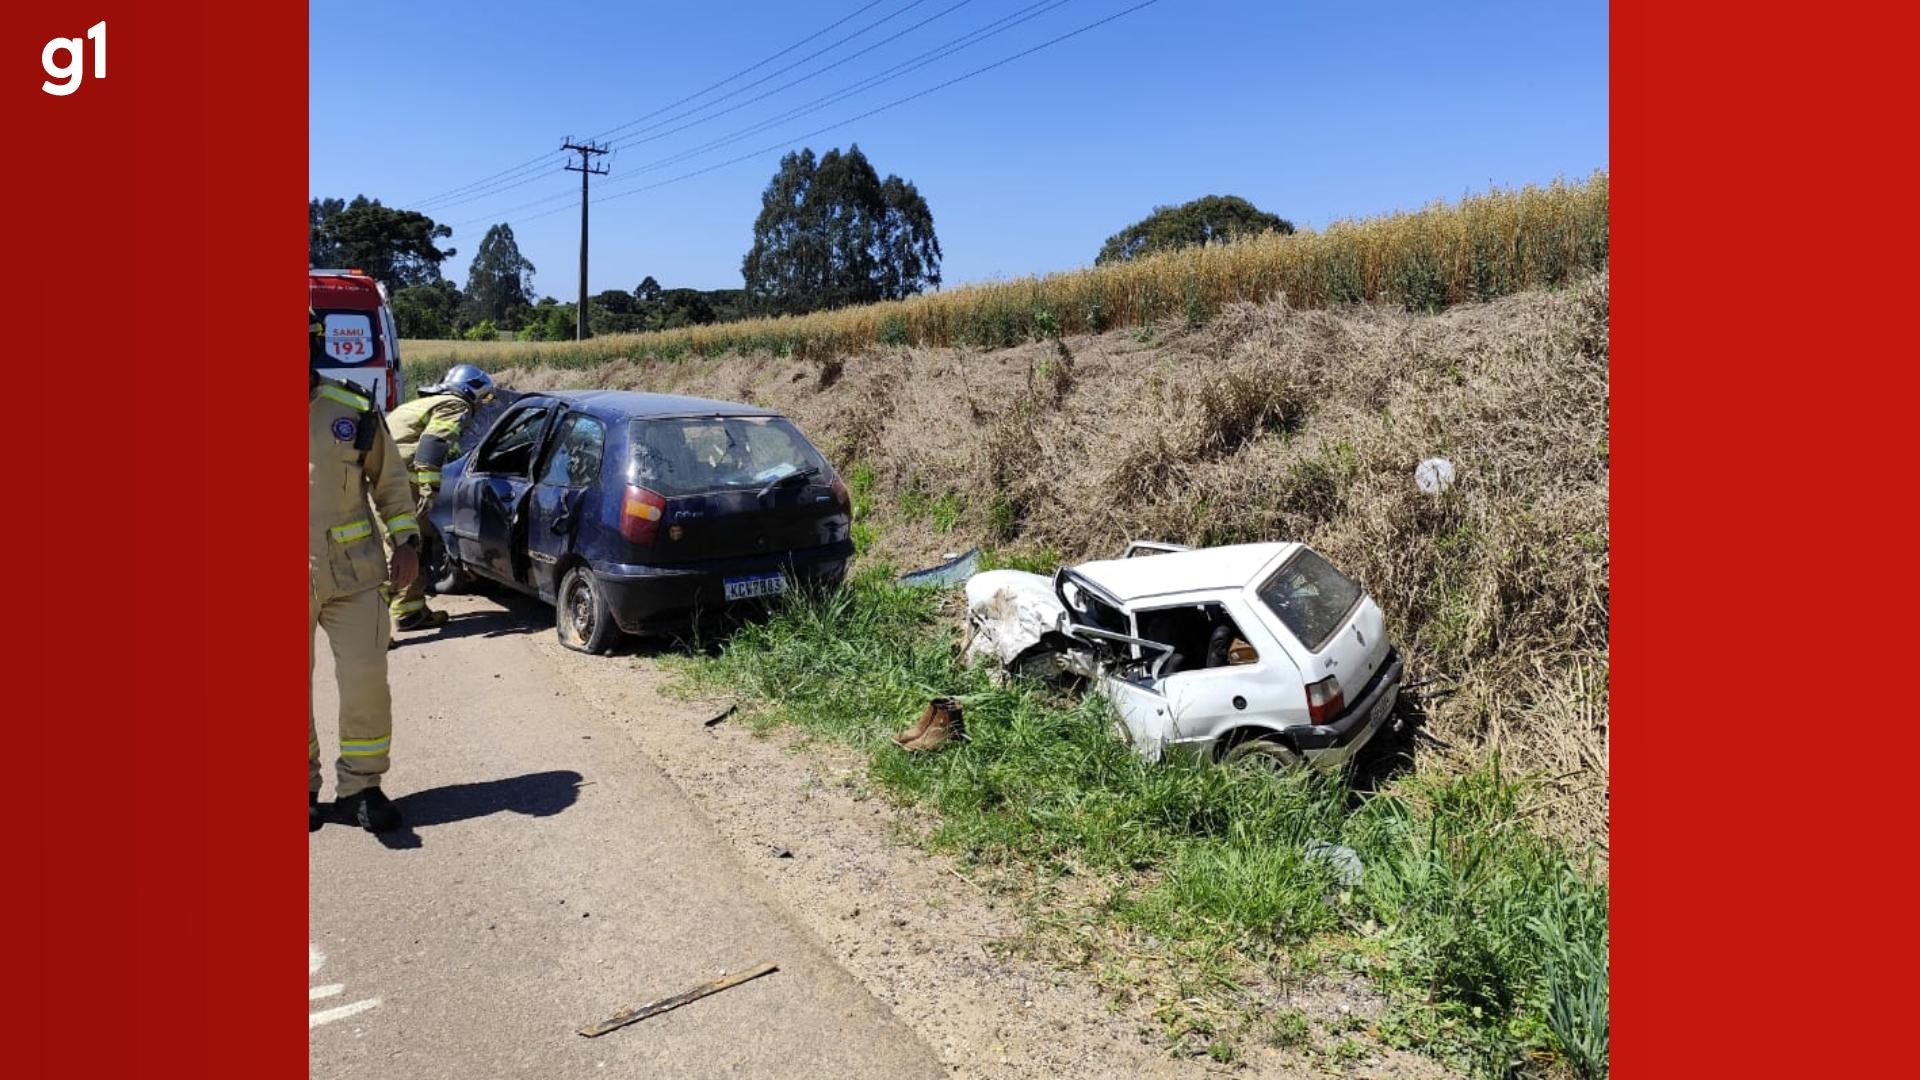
[(561, 501), (492, 493)]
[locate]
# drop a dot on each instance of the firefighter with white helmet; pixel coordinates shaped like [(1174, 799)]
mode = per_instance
[(352, 463), (427, 432)]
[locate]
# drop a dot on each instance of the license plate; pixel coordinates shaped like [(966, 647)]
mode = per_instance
[(746, 588), (1381, 709)]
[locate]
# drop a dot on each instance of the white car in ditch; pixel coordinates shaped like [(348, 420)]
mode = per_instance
[(1250, 651)]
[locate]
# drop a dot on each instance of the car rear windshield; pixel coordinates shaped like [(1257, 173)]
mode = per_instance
[(702, 454), (1311, 597)]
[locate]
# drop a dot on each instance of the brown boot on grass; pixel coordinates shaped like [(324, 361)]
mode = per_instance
[(918, 729), (945, 728)]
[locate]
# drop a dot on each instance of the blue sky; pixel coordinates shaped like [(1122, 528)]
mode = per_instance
[(1313, 111)]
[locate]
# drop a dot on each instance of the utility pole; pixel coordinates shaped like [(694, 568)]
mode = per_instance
[(587, 151)]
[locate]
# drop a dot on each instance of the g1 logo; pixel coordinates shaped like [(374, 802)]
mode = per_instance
[(76, 62)]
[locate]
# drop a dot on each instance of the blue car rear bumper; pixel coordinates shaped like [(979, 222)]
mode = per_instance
[(649, 599)]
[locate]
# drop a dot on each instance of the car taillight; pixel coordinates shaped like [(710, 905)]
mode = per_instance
[(640, 514), (1325, 700), (841, 494)]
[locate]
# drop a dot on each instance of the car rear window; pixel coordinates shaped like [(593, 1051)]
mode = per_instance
[(1311, 597), (702, 454)]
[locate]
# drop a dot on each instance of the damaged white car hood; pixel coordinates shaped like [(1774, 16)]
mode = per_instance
[(1010, 611)]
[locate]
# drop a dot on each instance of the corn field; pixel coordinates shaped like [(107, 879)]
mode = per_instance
[(1484, 246)]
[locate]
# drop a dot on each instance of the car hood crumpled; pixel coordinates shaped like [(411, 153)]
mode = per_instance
[(1010, 611)]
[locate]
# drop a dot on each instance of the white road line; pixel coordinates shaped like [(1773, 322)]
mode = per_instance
[(339, 1012), (315, 960)]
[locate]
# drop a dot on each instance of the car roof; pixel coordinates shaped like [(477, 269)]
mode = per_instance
[(1230, 567), (637, 403)]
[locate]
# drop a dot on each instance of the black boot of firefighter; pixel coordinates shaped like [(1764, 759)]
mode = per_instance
[(371, 810)]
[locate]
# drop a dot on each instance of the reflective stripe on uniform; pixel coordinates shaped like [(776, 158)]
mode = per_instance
[(407, 607), (400, 523), (364, 747), (347, 534), (443, 427), (346, 397), (427, 476)]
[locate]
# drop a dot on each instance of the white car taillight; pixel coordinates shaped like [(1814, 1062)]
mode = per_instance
[(1325, 700)]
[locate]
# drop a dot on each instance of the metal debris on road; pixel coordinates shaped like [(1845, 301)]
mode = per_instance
[(654, 1008), (728, 712)]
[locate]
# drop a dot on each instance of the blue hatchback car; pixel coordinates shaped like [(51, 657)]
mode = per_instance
[(641, 513)]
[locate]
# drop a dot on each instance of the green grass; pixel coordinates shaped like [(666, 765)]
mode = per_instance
[(918, 504), (1288, 1028), (1490, 942)]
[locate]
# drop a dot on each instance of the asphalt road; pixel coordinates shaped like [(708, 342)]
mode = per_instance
[(550, 875)]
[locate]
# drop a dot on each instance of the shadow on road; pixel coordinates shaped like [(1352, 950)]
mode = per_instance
[(517, 615), (541, 794)]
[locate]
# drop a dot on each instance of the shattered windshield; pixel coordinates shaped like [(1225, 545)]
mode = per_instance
[(699, 454), (1311, 597)]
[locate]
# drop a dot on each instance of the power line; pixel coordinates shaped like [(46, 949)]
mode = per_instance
[(515, 170), (905, 67), (782, 71), (544, 161), (634, 139), (543, 173), (631, 140), (870, 112), (940, 52), (501, 214)]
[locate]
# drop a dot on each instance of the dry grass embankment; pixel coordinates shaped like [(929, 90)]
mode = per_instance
[(1271, 422)]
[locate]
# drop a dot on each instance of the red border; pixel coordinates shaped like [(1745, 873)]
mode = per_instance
[(160, 906), (1762, 391), (1761, 263)]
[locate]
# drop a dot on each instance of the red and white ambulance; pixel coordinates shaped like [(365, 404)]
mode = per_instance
[(363, 345)]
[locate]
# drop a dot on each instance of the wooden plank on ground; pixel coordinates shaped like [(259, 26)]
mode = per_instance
[(654, 1008)]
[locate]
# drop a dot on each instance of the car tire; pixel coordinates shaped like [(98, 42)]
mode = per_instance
[(582, 620), (1268, 753)]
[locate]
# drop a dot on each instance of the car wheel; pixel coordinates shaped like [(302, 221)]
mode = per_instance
[(1268, 753), (582, 619)]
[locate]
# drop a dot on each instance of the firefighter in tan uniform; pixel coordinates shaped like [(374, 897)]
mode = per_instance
[(351, 461), (426, 431)]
